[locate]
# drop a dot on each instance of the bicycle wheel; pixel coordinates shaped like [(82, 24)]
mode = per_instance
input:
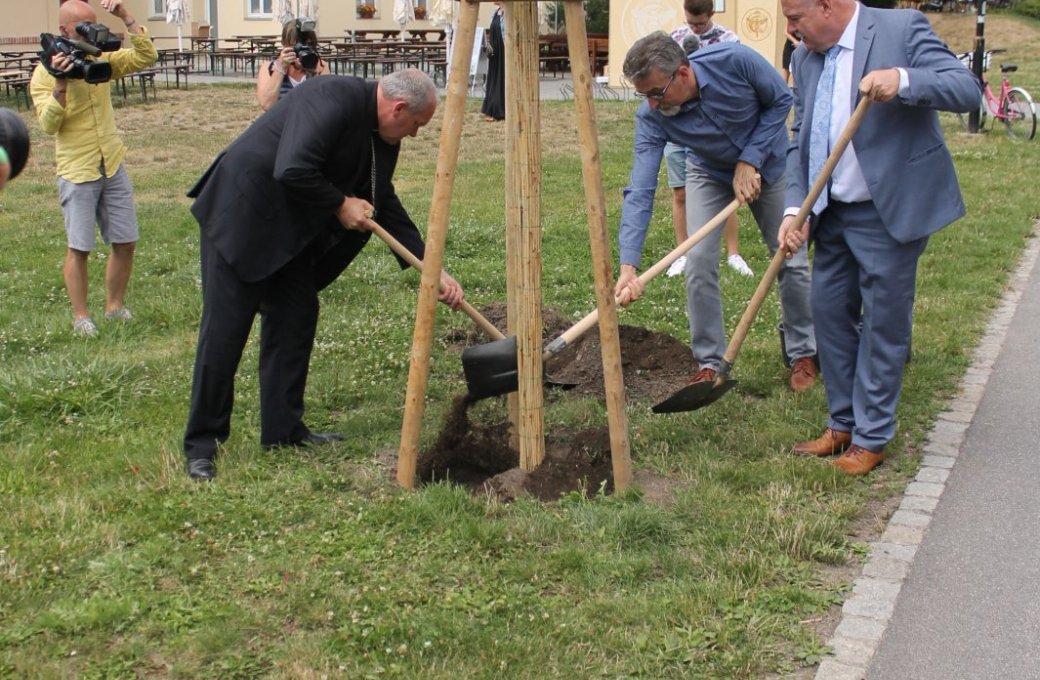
[(1019, 114), (983, 110)]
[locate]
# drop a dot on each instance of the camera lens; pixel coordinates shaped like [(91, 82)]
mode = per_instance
[(307, 56)]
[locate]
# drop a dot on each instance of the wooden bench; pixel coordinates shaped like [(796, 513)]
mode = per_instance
[(178, 70), (142, 79), (18, 87)]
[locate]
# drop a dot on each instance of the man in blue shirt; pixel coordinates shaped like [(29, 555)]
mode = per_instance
[(728, 107)]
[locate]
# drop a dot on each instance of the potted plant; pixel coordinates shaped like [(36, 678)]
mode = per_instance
[(366, 10), (420, 12)]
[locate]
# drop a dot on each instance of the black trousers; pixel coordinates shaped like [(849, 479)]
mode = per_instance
[(288, 304)]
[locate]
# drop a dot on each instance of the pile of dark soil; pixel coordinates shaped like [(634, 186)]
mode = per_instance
[(479, 457), (654, 365)]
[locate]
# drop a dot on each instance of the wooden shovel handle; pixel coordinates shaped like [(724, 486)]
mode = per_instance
[(777, 262), (415, 262), (582, 326)]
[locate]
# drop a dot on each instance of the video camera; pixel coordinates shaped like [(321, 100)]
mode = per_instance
[(306, 54), (96, 39)]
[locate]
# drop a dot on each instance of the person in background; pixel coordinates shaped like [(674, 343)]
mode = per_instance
[(728, 107), (282, 212), (494, 106), (790, 45), (698, 30), (894, 186), (93, 185), (288, 70)]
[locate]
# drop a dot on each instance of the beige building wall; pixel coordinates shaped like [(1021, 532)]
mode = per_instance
[(26, 19), (759, 24)]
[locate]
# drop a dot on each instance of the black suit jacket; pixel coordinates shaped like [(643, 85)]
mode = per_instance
[(273, 193)]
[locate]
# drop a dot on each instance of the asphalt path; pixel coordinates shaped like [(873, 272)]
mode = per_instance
[(970, 606)]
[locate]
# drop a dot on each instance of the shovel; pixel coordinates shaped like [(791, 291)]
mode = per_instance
[(700, 394), (491, 368), (415, 262)]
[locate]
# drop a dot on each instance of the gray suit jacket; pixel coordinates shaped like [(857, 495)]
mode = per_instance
[(899, 144)]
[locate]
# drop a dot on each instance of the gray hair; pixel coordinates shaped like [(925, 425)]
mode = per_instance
[(412, 86), (654, 52)]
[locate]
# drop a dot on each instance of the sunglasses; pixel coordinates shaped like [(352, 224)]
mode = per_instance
[(658, 95)]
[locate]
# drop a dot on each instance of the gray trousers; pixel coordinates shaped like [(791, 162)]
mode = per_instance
[(705, 198)]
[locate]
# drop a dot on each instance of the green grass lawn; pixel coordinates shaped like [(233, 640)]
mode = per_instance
[(310, 564)]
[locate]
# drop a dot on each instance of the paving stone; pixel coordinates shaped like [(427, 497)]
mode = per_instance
[(933, 475), (937, 461), (893, 550), (903, 535), (942, 449), (860, 628), (948, 432), (965, 405), (919, 503), (852, 652), (957, 416), (976, 376), (869, 607), (876, 589), (910, 519), (887, 568), (924, 489), (972, 392), (833, 670)]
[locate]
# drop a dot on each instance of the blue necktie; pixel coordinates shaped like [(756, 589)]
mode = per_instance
[(819, 134)]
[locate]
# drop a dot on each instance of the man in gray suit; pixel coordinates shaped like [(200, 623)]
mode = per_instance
[(894, 186)]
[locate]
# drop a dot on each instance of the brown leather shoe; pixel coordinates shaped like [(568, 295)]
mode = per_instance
[(827, 444), (803, 374), (703, 375), (858, 460)]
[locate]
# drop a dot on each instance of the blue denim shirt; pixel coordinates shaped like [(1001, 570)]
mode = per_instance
[(741, 115)]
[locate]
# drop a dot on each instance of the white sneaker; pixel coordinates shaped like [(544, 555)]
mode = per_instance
[(677, 267), (737, 263), (121, 314), (84, 327)]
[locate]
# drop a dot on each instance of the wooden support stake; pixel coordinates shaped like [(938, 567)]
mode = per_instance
[(436, 234), (524, 221), (613, 380)]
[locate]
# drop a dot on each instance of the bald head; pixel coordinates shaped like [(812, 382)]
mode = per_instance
[(71, 13), (819, 22)]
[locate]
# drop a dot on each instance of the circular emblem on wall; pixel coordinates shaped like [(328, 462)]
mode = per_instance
[(643, 18), (757, 24)]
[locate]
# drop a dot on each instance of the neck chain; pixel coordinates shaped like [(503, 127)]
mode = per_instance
[(372, 143)]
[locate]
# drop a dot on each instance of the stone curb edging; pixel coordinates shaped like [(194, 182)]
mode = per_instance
[(866, 612)]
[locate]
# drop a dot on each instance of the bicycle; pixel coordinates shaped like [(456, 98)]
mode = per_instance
[(1013, 107)]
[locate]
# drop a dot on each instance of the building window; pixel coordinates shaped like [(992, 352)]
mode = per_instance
[(260, 8), (158, 8)]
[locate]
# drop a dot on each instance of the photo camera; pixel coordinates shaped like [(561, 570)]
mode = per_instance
[(95, 40), (307, 54)]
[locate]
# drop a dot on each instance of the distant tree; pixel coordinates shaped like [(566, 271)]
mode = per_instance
[(597, 16)]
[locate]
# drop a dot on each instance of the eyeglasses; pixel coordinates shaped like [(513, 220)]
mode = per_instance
[(658, 95)]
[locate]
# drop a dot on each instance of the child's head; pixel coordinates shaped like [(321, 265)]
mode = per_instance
[(698, 14)]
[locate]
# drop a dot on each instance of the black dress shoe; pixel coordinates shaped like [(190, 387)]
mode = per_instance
[(312, 439), (320, 438), (202, 469)]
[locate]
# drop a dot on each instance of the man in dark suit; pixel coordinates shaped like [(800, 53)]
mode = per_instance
[(283, 211), (895, 185)]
